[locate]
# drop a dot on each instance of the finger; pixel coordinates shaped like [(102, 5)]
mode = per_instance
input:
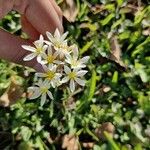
[(57, 9), (11, 49), (43, 16), (29, 29)]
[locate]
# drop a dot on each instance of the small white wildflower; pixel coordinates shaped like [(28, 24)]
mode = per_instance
[(42, 89), (74, 61), (57, 40), (51, 75), (73, 76), (50, 57), (37, 51)]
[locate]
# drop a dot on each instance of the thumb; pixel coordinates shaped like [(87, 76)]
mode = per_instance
[(11, 50)]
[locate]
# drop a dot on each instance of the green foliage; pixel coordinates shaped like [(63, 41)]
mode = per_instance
[(117, 89)]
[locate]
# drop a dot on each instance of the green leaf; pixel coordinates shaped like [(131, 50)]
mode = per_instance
[(107, 19), (111, 141), (26, 133), (92, 85), (86, 47), (115, 77)]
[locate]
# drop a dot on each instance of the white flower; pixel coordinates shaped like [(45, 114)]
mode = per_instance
[(37, 51), (57, 40), (50, 57), (73, 60), (42, 89), (74, 76), (50, 75), (63, 50)]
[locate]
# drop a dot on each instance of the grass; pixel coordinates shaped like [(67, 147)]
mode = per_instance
[(112, 111)]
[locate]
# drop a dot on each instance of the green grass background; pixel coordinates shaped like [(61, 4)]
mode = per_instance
[(117, 90)]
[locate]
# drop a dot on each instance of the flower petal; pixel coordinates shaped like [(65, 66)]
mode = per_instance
[(75, 52), (84, 59), (43, 99), (36, 93), (80, 82), (57, 33), (67, 69), (44, 48), (50, 95), (65, 79), (29, 48), (40, 74), (64, 36), (29, 57), (49, 51), (81, 73), (72, 85), (39, 59)]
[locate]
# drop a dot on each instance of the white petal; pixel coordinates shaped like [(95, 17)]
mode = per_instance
[(41, 38), (75, 52), (72, 85), (40, 74), (65, 79), (64, 36), (29, 57), (68, 58), (80, 82), (48, 42), (29, 48), (54, 68), (57, 33), (43, 99), (44, 48), (53, 83), (50, 95), (84, 59), (81, 73), (39, 58), (67, 69), (49, 50), (35, 94)]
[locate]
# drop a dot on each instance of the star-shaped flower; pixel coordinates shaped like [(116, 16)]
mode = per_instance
[(41, 89), (57, 40), (36, 51), (50, 57), (73, 76), (50, 75), (73, 59)]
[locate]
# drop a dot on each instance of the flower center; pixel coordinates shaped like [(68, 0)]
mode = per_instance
[(72, 75), (39, 50), (74, 63), (44, 90), (50, 59), (50, 75)]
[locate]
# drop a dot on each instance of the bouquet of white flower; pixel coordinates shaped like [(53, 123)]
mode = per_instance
[(60, 62)]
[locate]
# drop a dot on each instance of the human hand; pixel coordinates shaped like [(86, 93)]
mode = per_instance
[(37, 17)]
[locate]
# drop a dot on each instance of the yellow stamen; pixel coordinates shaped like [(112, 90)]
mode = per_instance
[(50, 59), (44, 90), (50, 75), (39, 50), (72, 75)]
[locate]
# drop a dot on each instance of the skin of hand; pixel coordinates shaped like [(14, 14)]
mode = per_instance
[(37, 17)]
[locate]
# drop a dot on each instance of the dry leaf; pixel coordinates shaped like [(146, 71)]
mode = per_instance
[(116, 51), (70, 142), (107, 126), (12, 94), (69, 9), (146, 32)]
